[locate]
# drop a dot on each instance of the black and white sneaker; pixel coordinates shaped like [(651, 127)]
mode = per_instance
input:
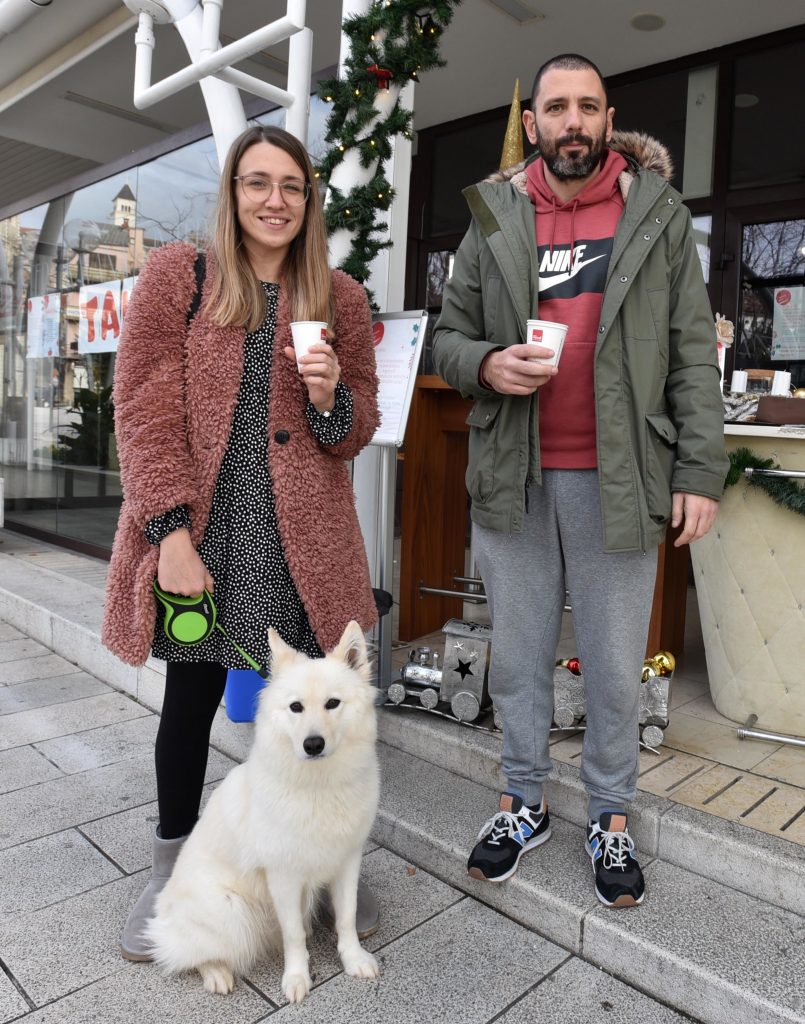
[(618, 878), (505, 838)]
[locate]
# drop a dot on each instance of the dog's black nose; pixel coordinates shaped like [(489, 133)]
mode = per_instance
[(313, 745)]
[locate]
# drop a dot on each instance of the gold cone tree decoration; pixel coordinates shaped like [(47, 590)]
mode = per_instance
[(513, 142)]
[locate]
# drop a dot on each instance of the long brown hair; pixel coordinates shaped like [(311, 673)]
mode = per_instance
[(237, 297)]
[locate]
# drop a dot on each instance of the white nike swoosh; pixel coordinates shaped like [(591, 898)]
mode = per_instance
[(549, 282)]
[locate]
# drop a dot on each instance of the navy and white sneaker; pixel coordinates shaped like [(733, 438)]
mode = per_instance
[(505, 838), (618, 878)]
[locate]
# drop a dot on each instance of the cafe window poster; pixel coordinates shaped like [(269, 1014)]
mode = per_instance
[(42, 332), (102, 310), (788, 328)]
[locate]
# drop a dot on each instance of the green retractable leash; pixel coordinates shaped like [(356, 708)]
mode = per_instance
[(189, 620)]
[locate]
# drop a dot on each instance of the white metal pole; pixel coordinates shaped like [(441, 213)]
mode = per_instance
[(219, 60), (375, 469), (224, 105), (300, 59), (211, 26)]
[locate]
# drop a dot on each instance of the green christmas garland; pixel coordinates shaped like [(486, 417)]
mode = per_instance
[(392, 43), (784, 492)]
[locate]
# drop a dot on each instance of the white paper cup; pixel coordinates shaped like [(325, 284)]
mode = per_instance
[(306, 333), (739, 382), (549, 334)]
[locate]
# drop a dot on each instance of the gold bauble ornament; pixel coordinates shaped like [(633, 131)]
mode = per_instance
[(650, 670), (798, 393), (665, 661)]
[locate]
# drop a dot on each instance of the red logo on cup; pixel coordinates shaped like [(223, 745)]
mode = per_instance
[(324, 334), (536, 335), (783, 297), (378, 331)]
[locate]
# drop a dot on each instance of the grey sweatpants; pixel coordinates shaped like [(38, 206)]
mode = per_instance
[(611, 595)]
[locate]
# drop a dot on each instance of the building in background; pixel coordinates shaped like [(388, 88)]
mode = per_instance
[(88, 185)]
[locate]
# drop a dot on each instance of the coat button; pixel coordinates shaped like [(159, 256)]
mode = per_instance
[(658, 220), (670, 202), (601, 329), (647, 237), (282, 436), (624, 280)]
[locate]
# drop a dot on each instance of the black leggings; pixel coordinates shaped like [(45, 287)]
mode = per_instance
[(193, 691)]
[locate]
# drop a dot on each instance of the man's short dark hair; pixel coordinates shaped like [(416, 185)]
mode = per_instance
[(567, 62)]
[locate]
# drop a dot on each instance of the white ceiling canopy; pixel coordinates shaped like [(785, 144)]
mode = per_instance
[(86, 50)]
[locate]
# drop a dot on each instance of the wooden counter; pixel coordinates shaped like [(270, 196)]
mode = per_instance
[(435, 524)]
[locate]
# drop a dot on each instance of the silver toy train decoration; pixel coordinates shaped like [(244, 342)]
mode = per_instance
[(462, 682), (460, 688)]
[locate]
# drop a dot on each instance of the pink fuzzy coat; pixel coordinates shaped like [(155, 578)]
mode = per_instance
[(175, 394)]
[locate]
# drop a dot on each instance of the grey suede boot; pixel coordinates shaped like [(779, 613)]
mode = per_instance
[(165, 852), (367, 918)]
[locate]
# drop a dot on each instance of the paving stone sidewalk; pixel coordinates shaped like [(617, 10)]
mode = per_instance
[(77, 805)]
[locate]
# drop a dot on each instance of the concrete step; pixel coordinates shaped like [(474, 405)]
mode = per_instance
[(700, 944), (702, 947), (759, 865), (43, 592)]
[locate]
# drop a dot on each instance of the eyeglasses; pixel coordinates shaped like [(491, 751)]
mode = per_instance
[(258, 189)]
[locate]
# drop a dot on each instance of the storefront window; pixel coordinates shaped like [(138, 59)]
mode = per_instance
[(67, 270), (771, 321), (768, 147), (658, 107), (460, 158)]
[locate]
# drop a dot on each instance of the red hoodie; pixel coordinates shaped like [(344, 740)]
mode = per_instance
[(574, 240)]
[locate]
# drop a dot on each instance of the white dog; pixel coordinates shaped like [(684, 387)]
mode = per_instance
[(293, 818)]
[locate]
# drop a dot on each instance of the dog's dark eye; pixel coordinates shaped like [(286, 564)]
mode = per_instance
[(332, 703), (297, 707)]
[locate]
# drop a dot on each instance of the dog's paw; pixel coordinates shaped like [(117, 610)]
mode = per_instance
[(217, 978), (361, 964), (295, 986)]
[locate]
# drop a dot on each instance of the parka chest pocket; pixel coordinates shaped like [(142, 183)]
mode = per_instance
[(483, 445), (661, 438)]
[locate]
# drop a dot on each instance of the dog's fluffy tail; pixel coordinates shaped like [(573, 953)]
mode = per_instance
[(223, 928)]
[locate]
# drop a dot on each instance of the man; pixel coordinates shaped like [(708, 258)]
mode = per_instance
[(575, 471)]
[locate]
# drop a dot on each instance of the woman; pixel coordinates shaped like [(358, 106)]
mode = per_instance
[(233, 462)]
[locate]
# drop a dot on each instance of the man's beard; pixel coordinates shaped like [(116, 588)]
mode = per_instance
[(566, 167)]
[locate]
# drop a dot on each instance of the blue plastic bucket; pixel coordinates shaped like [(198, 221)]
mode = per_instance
[(242, 690)]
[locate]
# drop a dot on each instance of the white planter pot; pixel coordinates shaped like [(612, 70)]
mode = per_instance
[(750, 583)]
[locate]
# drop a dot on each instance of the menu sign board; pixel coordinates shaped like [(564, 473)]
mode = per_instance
[(398, 339)]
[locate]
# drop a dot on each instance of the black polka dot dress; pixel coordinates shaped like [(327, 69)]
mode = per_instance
[(241, 546)]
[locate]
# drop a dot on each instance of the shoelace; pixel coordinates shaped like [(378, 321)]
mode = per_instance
[(617, 847), (503, 825)]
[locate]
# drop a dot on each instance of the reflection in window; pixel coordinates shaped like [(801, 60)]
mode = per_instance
[(775, 250), (176, 197), (702, 227), (771, 328), (440, 266)]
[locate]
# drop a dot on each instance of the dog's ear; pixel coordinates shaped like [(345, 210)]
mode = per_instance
[(352, 650), (280, 651)]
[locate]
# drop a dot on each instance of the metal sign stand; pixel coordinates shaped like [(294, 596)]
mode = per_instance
[(399, 339)]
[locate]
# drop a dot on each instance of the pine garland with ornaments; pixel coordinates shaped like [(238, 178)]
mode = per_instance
[(390, 45), (783, 491)]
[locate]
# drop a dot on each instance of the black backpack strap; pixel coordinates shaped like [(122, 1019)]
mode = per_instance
[(200, 269)]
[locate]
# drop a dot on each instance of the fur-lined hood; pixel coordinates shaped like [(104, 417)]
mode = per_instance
[(639, 149)]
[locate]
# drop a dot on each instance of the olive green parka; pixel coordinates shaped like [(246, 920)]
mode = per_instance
[(658, 408)]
